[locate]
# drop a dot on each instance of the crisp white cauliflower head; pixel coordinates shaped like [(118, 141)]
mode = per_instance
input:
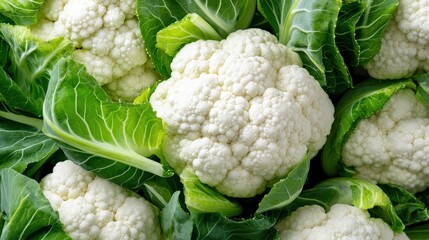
[(107, 41), (94, 208), (405, 45), (341, 222), (392, 145), (242, 112)]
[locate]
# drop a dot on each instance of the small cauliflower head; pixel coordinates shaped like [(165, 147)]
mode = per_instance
[(93, 208), (241, 113), (405, 45), (107, 41), (392, 146), (341, 222)]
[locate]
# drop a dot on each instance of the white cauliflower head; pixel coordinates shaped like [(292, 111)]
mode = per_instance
[(242, 112), (107, 41), (392, 145), (94, 208), (341, 222), (405, 45)]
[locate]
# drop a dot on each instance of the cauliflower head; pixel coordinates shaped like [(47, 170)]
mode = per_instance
[(93, 208), (241, 112), (391, 146), (107, 41), (342, 221), (405, 45)]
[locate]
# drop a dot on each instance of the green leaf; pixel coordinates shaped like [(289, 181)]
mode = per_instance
[(361, 26), (51, 233), (160, 190), (79, 113), (410, 209), (25, 210), (191, 28), (357, 192), (22, 145), (26, 67), (422, 91), (176, 223), (361, 102), (22, 12), (215, 226), (287, 189), (201, 198), (418, 232), (308, 28), (224, 16)]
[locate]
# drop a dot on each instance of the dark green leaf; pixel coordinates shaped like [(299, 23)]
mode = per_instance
[(160, 190), (214, 226), (418, 232), (410, 209), (21, 145)]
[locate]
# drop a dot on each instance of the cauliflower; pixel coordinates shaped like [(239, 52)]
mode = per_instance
[(405, 45), (241, 113), (94, 208), (107, 41), (391, 145), (342, 221)]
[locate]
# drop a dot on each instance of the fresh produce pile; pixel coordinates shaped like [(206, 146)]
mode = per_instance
[(254, 119)]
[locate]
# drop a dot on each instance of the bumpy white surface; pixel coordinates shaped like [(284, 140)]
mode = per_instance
[(94, 208), (405, 45), (341, 222), (242, 112), (392, 145), (107, 41)]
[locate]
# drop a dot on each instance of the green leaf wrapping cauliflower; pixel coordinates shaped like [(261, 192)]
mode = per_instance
[(342, 221), (107, 41), (391, 146), (242, 112), (405, 45), (93, 208)]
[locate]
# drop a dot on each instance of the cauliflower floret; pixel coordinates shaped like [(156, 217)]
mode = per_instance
[(340, 222), (391, 146), (242, 112), (94, 208), (405, 44), (107, 41)]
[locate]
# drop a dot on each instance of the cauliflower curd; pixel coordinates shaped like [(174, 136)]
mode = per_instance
[(341, 222), (241, 113), (107, 41), (94, 208), (405, 45), (391, 146)]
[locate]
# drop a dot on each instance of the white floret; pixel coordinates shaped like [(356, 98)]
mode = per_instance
[(342, 221), (92, 208), (68, 180), (79, 19), (413, 20), (127, 87), (107, 40), (391, 146), (405, 43), (242, 112)]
